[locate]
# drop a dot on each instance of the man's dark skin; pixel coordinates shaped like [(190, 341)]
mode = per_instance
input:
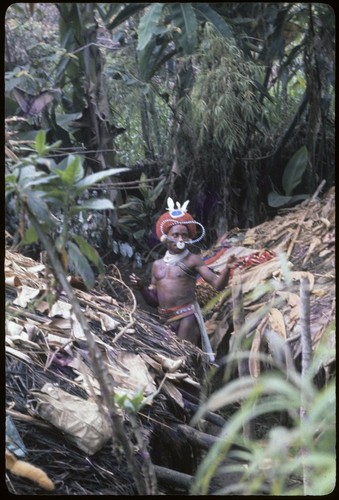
[(173, 287)]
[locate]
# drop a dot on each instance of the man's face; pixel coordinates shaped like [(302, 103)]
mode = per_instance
[(177, 233)]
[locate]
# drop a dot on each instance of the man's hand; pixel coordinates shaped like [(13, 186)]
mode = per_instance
[(135, 281), (231, 262), (149, 294)]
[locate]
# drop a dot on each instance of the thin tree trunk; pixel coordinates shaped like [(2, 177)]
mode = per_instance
[(306, 358)]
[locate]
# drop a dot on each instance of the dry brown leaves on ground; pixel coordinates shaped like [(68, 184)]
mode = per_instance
[(51, 389), (303, 240)]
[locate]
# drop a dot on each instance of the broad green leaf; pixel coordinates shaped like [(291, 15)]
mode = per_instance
[(61, 68), (139, 234), (55, 195), (126, 13), (81, 265), (89, 252), (243, 20), (65, 162), (108, 11), (45, 163), (120, 398), (148, 58), (157, 191), (184, 18), (27, 174), (277, 200), (10, 178), (135, 199), (206, 12), (43, 179), (30, 236), (11, 105), (65, 120), (93, 204), (91, 179), (128, 219), (148, 25), (38, 207), (55, 145), (137, 401), (40, 142), (295, 170), (60, 243), (134, 210), (151, 59), (73, 173), (10, 183)]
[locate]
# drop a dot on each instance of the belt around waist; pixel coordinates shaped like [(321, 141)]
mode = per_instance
[(172, 313)]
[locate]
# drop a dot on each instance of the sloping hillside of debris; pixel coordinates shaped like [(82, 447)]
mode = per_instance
[(52, 417), (272, 258)]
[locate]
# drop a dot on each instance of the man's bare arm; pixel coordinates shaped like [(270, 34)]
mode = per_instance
[(219, 282), (149, 293)]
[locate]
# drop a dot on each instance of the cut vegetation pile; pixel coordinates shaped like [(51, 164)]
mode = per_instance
[(46, 345), (52, 395), (273, 258)]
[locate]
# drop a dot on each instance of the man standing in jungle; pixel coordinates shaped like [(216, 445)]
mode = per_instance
[(173, 280)]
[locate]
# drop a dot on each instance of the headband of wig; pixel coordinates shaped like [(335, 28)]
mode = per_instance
[(174, 217)]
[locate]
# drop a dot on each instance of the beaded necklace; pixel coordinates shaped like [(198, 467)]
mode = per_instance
[(172, 259)]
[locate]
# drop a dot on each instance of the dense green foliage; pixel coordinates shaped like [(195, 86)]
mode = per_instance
[(216, 98), (298, 459), (48, 194)]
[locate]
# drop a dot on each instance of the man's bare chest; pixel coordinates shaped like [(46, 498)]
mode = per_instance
[(176, 271)]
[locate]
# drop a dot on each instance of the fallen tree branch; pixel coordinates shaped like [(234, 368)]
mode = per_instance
[(203, 439), (200, 439), (211, 417), (174, 477)]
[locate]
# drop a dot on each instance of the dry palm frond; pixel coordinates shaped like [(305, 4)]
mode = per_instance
[(306, 234)]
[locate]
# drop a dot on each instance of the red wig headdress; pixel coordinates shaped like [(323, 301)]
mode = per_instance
[(175, 216)]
